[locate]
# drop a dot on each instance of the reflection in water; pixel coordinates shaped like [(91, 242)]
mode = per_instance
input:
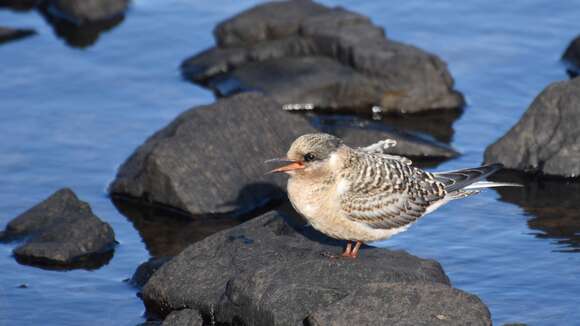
[(80, 36), (88, 262), (19, 5), (167, 231), (553, 203), (438, 125)]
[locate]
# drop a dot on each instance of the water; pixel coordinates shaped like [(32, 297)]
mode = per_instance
[(70, 114)]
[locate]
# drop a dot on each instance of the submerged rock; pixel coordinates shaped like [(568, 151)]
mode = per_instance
[(547, 138), (572, 57), (272, 271), (300, 52), (62, 232), (10, 34), (210, 159)]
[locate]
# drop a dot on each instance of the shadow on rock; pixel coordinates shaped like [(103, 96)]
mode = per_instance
[(166, 231), (80, 35), (19, 5), (553, 203)]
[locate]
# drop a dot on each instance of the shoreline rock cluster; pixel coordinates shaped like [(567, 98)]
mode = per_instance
[(272, 270), (304, 54)]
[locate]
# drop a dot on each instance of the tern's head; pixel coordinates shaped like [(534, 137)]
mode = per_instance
[(310, 154)]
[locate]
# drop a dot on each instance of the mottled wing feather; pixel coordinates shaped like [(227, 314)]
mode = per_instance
[(387, 193)]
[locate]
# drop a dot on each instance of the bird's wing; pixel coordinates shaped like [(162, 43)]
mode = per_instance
[(388, 194), (382, 147)]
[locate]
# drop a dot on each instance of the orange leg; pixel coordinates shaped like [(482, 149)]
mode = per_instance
[(348, 250), (354, 252)]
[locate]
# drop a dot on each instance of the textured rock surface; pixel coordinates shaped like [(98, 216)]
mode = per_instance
[(9, 34), (399, 304), (202, 161), (547, 137), (185, 317), (62, 232), (84, 11), (271, 271), (210, 159), (302, 52), (572, 56), (146, 270)]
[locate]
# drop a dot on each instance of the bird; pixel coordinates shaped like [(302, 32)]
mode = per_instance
[(363, 195)]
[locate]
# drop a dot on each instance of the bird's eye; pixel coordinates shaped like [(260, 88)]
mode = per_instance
[(308, 157)]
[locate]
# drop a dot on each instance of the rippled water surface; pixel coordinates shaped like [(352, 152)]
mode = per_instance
[(73, 107)]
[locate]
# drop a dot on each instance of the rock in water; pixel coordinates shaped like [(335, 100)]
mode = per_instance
[(547, 138), (62, 232), (300, 52), (572, 57), (206, 161), (86, 11), (271, 271)]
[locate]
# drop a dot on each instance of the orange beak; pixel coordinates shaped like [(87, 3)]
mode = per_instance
[(294, 165)]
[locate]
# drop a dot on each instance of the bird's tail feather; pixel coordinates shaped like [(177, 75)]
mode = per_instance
[(469, 180)]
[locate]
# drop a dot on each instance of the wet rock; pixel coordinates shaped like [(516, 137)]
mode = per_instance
[(572, 57), (404, 304), (271, 271), (185, 317), (10, 34), (210, 160), (546, 139), (146, 269), (62, 232), (300, 52), (85, 11)]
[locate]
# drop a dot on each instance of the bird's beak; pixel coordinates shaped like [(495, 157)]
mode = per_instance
[(293, 165)]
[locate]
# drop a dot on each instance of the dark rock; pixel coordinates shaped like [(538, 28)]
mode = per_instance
[(547, 138), (551, 204), (83, 35), (206, 157), (146, 269), (572, 57), (20, 5), (10, 34), (271, 271), (185, 317), (404, 304), (62, 232), (151, 323), (85, 11), (210, 160), (300, 52)]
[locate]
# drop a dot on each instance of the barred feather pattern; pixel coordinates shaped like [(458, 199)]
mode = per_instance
[(386, 193)]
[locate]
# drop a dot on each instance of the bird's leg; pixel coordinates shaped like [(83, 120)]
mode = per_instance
[(354, 252), (347, 251)]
